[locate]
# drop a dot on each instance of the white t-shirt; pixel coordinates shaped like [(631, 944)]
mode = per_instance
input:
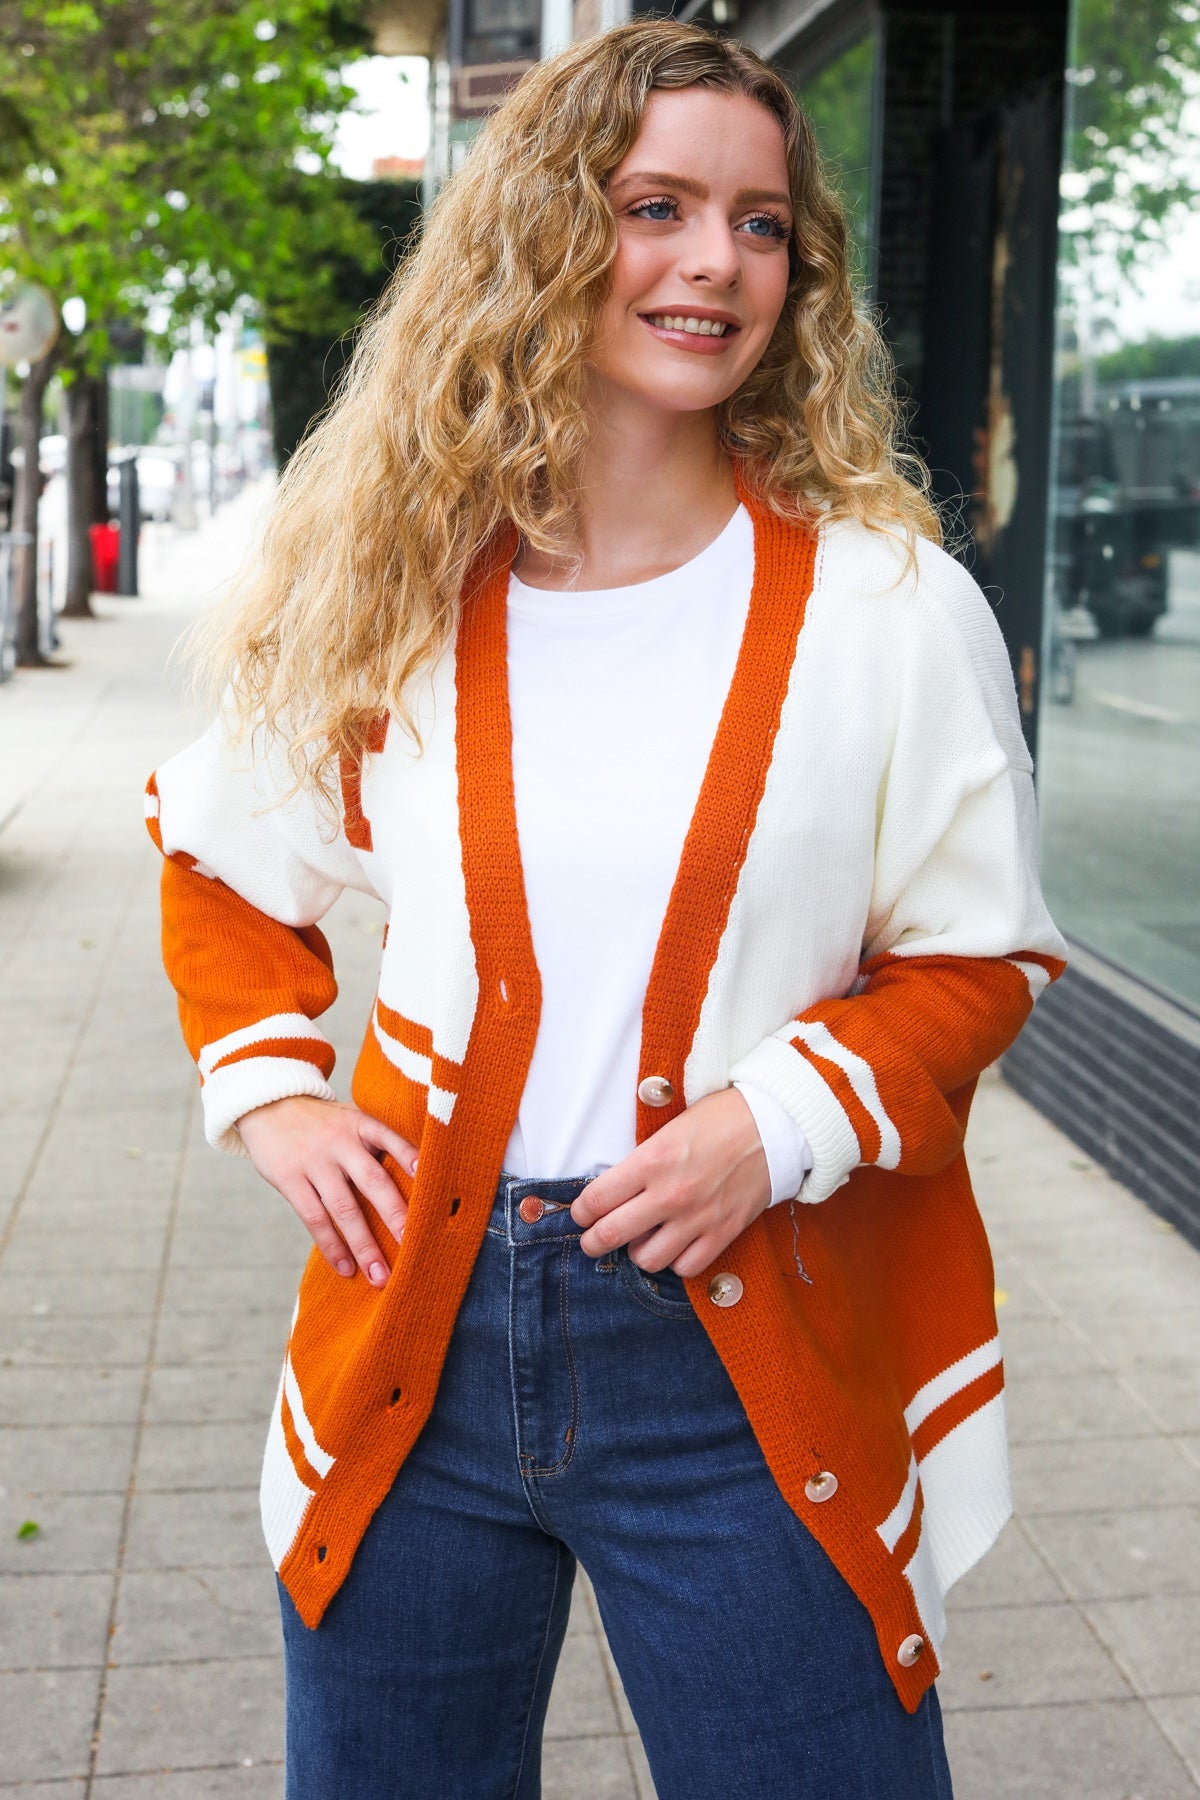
[(615, 697)]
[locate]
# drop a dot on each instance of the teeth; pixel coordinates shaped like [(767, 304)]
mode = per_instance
[(695, 327)]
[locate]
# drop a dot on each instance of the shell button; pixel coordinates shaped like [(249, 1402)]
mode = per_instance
[(725, 1289), (532, 1207), (655, 1090), (822, 1486), (910, 1650)]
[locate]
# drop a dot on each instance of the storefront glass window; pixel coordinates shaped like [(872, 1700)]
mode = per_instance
[(839, 99), (1119, 760)]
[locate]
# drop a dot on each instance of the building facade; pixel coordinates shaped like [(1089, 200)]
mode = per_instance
[(1022, 177)]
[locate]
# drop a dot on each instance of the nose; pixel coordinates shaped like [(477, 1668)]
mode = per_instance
[(710, 255)]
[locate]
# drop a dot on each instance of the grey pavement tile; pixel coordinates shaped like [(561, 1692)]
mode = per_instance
[(75, 1293), (1179, 1718), (1011, 1574), (40, 1243), (1075, 1406), (251, 1781), (1101, 1475), (218, 1529), (51, 1337), (581, 1702), (46, 1720), (271, 1290), (202, 1339), (76, 1532), (1035, 1348), (598, 1768), (1102, 1556), (176, 1615), (1025, 1656), (1137, 1264), (1016, 1297), (1128, 1339), (1170, 1389), (1156, 1640), (66, 1459), (175, 1458), (55, 1621), (191, 1394), (171, 1714), (70, 1394), (252, 1243), (1111, 1750)]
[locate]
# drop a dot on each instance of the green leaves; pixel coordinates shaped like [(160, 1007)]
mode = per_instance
[(149, 153)]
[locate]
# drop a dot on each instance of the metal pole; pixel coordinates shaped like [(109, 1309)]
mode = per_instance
[(129, 522), (557, 26)]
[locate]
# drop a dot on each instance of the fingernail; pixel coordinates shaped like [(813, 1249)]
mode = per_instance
[(377, 1273), (413, 1170), (345, 1267)]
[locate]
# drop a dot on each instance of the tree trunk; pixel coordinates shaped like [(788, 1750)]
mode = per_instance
[(25, 512), (81, 418)]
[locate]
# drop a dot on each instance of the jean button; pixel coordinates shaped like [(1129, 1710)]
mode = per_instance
[(532, 1207)]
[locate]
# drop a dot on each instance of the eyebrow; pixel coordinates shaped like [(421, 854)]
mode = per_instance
[(683, 185)]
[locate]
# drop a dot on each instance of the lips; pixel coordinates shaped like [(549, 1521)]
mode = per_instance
[(692, 327)]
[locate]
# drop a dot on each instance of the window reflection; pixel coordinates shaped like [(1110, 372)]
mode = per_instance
[(1119, 771)]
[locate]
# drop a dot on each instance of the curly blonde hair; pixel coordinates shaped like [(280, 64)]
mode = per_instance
[(463, 408)]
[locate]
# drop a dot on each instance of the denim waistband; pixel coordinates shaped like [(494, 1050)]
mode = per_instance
[(552, 1222)]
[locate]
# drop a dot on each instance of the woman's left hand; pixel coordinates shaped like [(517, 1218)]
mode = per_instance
[(682, 1197)]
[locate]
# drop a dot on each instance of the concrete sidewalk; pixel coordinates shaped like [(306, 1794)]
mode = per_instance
[(146, 1285)]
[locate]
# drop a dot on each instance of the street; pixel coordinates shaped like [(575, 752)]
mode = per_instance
[(1119, 787)]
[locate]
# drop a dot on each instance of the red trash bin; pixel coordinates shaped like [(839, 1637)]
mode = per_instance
[(105, 541)]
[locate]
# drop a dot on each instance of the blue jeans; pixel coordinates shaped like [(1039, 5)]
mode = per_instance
[(583, 1412)]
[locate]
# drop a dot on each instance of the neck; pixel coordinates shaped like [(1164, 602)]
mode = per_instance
[(656, 489)]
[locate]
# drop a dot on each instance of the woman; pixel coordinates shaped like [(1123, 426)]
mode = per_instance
[(603, 631)]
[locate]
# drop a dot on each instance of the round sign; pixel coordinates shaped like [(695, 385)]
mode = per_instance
[(28, 324)]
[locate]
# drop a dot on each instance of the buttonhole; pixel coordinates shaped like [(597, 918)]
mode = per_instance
[(321, 1549), (395, 1396), (503, 986), (455, 1204)]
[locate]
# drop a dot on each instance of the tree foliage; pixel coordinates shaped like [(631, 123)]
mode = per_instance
[(1133, 164), (161, 160), (167, 157)]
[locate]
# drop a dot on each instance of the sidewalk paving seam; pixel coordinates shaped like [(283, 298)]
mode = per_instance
[(83, 1025), (189, 1110)]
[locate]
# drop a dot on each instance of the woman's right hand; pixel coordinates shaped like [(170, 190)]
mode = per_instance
[(316, 1153)]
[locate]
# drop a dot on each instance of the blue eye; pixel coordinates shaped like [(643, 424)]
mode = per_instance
[(657, 211), (774, 227)]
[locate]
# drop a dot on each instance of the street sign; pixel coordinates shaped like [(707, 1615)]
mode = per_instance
[(28, 324)]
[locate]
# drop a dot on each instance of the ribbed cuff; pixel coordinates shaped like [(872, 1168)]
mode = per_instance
[(791, 1079), (239, 1087)]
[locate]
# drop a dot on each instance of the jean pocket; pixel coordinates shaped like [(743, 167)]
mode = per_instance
[(660, 1291)]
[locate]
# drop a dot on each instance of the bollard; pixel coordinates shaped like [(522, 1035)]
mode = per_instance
[(129, 521)]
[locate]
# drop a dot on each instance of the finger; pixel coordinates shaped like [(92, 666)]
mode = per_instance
[(374, 1131), (306, 1203), (342, 1207), (376, 1185), (612, 1188), (632, 1219)]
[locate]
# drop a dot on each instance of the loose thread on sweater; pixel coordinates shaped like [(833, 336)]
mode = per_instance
[(801, 1271)]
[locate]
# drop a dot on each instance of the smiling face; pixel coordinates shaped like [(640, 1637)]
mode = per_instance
[(701, 272)]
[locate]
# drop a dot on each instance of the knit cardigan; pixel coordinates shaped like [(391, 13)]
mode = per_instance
[(856, 924)]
